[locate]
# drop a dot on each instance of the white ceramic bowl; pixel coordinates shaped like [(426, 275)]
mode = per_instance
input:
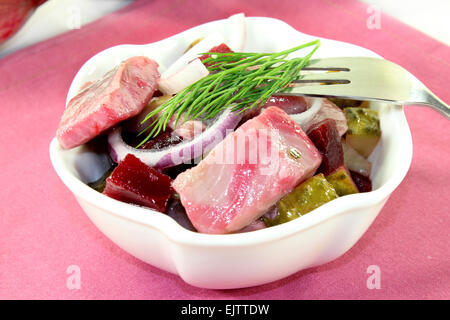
[(247, 259)]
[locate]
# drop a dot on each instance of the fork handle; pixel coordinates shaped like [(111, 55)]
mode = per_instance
[(431, 100)]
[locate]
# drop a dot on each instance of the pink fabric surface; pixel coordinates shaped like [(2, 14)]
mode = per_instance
[(43, 230)]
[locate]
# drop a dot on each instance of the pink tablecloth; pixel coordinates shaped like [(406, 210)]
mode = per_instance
[(43, 231)]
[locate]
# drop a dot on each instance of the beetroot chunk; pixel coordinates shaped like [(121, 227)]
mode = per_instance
[(289, 104), (222, 48), (327, 140), (363, 183), (135, 182)]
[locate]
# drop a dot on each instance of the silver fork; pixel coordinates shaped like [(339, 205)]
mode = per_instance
[(363, 78)]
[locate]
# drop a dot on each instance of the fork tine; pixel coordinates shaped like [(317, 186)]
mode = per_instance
[(332, 90), (367, 79), (332, 64), (322, 76)]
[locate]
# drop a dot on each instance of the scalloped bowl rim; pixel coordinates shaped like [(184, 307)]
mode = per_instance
[(177, 234)]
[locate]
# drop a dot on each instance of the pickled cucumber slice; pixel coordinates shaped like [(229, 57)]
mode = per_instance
[(342, 182), (363, 129), (306, 197)]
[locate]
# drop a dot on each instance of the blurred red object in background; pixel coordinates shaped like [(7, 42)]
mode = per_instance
[(13, 14)]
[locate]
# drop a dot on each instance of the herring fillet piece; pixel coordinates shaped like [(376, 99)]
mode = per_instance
[(122, 93), (247, 173)]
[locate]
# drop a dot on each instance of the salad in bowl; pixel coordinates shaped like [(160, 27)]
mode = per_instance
[(192, 154)]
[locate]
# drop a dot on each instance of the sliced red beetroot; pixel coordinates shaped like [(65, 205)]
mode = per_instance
[(222, 48), (135, 182), (342, 181), (289, 104), (328, 110), (157, 93), (363, 183), (327, 140)]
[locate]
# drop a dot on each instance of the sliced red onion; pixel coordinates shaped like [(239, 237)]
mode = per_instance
[(318, 110), (331, 111), (187, 75), (180, 153), (356, 162), (304, 119), (212, 40), (236, 32)]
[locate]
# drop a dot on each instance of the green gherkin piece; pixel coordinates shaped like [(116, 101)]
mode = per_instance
[(306, 197), (363, 131), (342, 182), (362, 121)]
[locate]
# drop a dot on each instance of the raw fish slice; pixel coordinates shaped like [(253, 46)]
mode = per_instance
[(121, 94), (247, 173), (296, 105)]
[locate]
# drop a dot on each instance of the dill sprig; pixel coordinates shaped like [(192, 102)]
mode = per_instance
[(238, 80)]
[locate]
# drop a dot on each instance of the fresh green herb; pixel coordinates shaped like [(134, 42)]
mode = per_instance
[(238, 80)]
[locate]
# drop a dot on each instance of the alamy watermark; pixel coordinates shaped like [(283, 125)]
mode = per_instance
[(258, 147), (374, 19), (73, 281), (374, 280), (73, 17)]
